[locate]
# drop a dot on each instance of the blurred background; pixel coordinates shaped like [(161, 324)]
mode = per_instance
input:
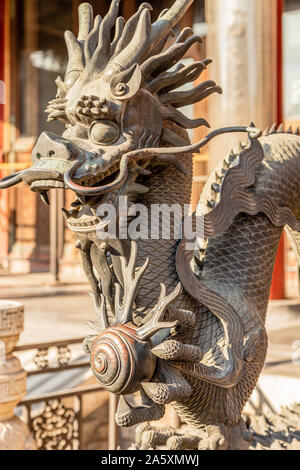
[(255, 47)]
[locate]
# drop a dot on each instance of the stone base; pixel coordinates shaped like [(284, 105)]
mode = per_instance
[(277, 431), (14, 435)]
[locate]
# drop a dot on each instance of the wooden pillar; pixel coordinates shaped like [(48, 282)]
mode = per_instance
[(278, 284), (4, 46), (245, 42), (242, 41)]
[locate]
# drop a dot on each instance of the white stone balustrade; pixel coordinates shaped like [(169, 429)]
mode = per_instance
[(14, 434)]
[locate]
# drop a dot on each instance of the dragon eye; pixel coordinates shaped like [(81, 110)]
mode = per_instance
[(104, 132)]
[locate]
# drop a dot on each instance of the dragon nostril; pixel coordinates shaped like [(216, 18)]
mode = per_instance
[(38, 155), (51, 153)]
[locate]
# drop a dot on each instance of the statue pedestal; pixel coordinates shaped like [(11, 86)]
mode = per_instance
[(14, 434)]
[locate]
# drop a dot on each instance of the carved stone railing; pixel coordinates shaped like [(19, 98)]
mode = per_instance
[(40, 411), (14, 434), (56, 418)]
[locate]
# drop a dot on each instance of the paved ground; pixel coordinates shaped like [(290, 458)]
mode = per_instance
[(52, 312)]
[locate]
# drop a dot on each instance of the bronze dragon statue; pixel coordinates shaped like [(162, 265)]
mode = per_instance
[(178, 325)]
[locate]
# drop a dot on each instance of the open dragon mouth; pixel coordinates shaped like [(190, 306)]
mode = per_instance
[(47, 175), (45, 185), (89, 180), (100, 179)]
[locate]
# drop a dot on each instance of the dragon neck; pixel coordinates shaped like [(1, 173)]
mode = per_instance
[(168, 186), (239, 259)]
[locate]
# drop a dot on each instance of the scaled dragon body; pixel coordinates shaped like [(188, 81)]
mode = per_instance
[(176, 325)]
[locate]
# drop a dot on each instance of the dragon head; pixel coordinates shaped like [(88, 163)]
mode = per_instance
[(114, 100)]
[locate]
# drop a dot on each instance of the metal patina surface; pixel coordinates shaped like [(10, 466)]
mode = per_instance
[(178, 326)]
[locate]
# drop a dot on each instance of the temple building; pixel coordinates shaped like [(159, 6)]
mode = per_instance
[(255, 50)]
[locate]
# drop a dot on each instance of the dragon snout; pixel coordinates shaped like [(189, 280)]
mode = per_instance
[(51, 157), (52, 146)]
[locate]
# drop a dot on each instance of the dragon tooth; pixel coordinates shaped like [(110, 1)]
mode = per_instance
[(78, 244), (273, 129), (290, 130), (45, 198), (93, 211), (81, 198), (66, 214)]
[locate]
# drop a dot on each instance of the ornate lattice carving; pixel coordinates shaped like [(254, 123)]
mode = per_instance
[(41, 359), (56, 427), (64, 355)]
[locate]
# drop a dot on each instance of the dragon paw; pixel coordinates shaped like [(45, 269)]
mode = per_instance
[(150, 436), (217, 438)]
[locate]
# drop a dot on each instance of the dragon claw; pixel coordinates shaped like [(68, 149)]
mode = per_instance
[(128, 415), (172, 350), (170, 386)]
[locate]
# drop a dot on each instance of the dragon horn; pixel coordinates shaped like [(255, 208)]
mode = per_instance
[(74, 45), (85, 13), (143, 40), (166, 22)]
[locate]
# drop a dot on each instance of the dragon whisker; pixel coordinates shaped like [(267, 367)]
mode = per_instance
[(11, 180)]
